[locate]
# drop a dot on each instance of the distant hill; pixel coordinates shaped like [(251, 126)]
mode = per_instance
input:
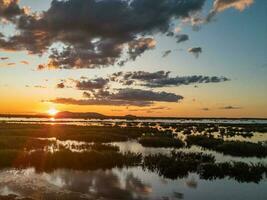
[(85, 115), (130, 117), (94, 115)]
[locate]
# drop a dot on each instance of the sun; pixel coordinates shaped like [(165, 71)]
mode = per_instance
[(52, 111)]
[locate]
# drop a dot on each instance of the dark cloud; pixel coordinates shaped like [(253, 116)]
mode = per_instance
[(122, 97), (4, 58), (145, 95), (195, 51), (205, 109), (98, 91), (96, 33), (170, 34), (137, 47), (107, 102), (60, 85), (166, 53), (10, 9), (162, 79), (41, 67), (98, 94), (184, 80), (150, 110), (126, 77), (99, 54), (98, 83), (182, 38), (230, 107)]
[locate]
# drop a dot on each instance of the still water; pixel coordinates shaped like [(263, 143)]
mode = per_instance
[(122, 184)]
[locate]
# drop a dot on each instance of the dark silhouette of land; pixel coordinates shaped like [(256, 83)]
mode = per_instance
[(94, 115)]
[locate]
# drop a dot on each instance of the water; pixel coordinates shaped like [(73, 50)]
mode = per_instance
[(135, 147), (122, 184)]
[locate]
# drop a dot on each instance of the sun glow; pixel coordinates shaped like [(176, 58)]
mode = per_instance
[(52, 111)]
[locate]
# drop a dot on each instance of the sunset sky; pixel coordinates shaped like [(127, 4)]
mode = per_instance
[(180, 58)]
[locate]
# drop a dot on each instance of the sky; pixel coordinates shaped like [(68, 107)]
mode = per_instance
[(176, 58)]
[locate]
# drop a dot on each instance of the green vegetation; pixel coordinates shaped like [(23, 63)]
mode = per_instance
[(228, 130), (179, 164), (163, 139), (234, 148), (47, 161), (29, 143), (23, 142), (242, 172), (71, 132), (147, 141), (103, 147)]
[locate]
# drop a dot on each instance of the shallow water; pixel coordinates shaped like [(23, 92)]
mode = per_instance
[(135, 147), (122, 184)]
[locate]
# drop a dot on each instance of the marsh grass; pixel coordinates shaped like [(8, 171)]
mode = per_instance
[(180, 164), (164, 139), (23, 142), (241, 172), (47, 161), (71, 132), (176, 165), (165, 142), (234, 148)]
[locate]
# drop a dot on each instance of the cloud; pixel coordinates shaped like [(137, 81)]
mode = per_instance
[(137, 47), (170, 34), (195, 51), (184, 80), (182, 38), (4, 58), (162, 79), (97, 33), (205, 109), (40, 86), (103, 102), (230, 107), (24, 62), (122, 97), (99, 91), (10, 9), (11, 64), (124, 77), (166, 53), (150, 110), (221, 5), (145, 95), (60, 85), (98, 83), (41, 67)]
